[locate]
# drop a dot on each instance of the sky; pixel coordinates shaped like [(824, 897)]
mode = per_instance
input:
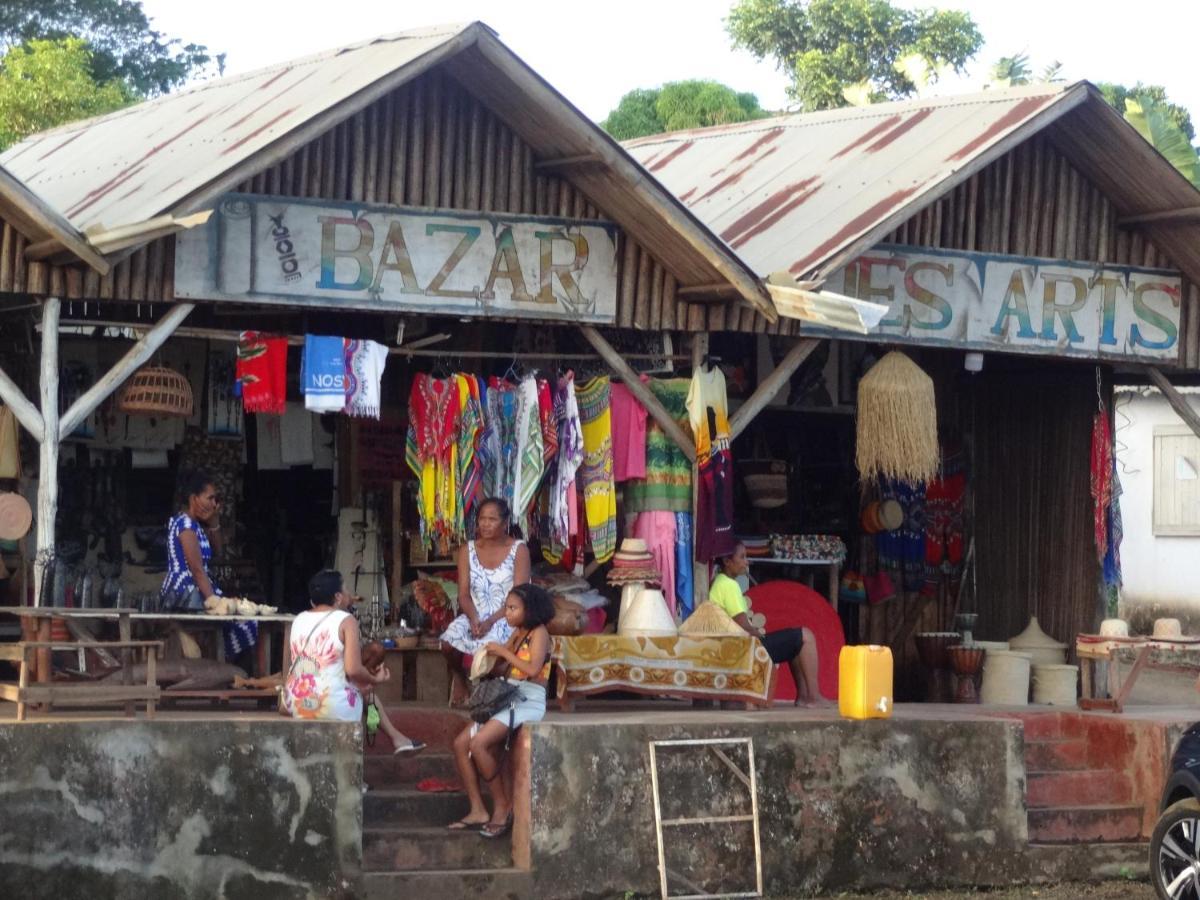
[(593, 57)]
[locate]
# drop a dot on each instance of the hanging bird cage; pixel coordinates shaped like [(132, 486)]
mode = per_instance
[(156, 391)]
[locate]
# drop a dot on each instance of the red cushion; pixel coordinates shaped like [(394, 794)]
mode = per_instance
[(787, 604)]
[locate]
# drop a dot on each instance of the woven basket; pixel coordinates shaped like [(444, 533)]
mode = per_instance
[(156, 391), (767, 491)]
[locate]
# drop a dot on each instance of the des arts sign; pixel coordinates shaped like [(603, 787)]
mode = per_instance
[(982, 302), (257, 249)]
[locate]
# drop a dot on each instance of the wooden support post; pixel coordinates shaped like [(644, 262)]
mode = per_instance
[(770, 386), (644, 395), (699, 569), (26, 413), (47, 499), (137, 356), (1178, 402)]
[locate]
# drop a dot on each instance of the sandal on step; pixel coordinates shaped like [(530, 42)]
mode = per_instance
[(411, 747), (492, 830), (464, 825)]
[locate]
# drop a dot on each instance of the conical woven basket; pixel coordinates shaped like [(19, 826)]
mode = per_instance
[(156, 391)]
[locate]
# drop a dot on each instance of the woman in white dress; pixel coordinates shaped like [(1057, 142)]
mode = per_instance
[(488, 568)]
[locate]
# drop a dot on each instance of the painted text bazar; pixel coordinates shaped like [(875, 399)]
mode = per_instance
[(277, 250)]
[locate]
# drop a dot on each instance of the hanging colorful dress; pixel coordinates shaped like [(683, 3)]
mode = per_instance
[(668, 481), (470, 424), (499, 475), (431, 452), (566, 463), (709, 417), (599, 492), (531, 463)]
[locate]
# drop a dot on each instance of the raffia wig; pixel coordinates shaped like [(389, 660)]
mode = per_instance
[(897, 422)]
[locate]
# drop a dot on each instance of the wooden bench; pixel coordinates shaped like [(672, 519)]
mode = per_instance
[(48, 694)]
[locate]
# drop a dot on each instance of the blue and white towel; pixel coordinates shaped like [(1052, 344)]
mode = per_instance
[(323, 373)]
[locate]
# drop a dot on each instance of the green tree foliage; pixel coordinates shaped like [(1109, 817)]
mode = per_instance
[(48, 83), (829, 46), (1156, 124), (1145, 95), (124, 46), (677, 105)]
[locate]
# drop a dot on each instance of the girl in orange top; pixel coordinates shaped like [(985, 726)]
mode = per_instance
[(478, 749)]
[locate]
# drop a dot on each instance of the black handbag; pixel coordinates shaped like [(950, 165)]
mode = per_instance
[(490, 697)]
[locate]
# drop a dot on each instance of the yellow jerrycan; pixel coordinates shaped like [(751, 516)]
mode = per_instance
[(865, 682)]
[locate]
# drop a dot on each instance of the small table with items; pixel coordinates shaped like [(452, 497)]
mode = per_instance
[(729, 668)]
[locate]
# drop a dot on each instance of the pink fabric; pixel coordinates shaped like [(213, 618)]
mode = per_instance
[(628, 434), (657, 529)]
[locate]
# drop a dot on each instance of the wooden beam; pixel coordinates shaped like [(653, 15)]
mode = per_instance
[(26, 413), (770, 386), (644, 395), (1178, 402), (1184, 213), (698, 291), (137, 355), (566, 162), (47, 497)]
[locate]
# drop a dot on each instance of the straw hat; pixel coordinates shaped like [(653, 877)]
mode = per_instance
[(710, 620), (15, 517), (633, 554), (633, 546)]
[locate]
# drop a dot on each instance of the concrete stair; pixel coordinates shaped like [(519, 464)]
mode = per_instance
[(407, 851), (1069, 799)]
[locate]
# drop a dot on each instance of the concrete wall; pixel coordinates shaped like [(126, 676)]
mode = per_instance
[(1160, 573), (843, 804), (257, 808)]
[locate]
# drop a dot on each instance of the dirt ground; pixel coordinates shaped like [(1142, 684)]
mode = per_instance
[(1105, 890)]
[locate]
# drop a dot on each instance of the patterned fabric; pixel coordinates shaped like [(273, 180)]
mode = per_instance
[(902, 552), (599, 492), (715, 668), (365, 361), (431, 451), (1101, 478), (470, 424), (489, 589), (499, 475), (808, 546), (1116, 532), (531, 463), (709, 418), (566, 464), (178, 581), (546, 416), (668, 481), (262, 372), (317, 687)]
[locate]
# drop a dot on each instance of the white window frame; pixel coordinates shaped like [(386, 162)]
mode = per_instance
[(1160, 527)]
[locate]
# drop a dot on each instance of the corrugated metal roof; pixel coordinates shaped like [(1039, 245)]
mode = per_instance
[(176, 154), (131, 165), (804, 193)]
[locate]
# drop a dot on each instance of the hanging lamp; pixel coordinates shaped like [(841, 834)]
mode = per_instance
[(156, 391), (897, 422)]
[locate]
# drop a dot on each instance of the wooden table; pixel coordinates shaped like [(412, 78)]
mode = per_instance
[(832, 566), (1164, 656)]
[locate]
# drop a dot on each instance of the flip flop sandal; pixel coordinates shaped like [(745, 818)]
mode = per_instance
[(492, 830), (412, 747), (464, 825)]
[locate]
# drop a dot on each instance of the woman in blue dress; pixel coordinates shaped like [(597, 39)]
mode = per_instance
[(193, 535)]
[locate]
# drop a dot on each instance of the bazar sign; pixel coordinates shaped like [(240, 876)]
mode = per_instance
[(260, 249), (1055, 307)]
